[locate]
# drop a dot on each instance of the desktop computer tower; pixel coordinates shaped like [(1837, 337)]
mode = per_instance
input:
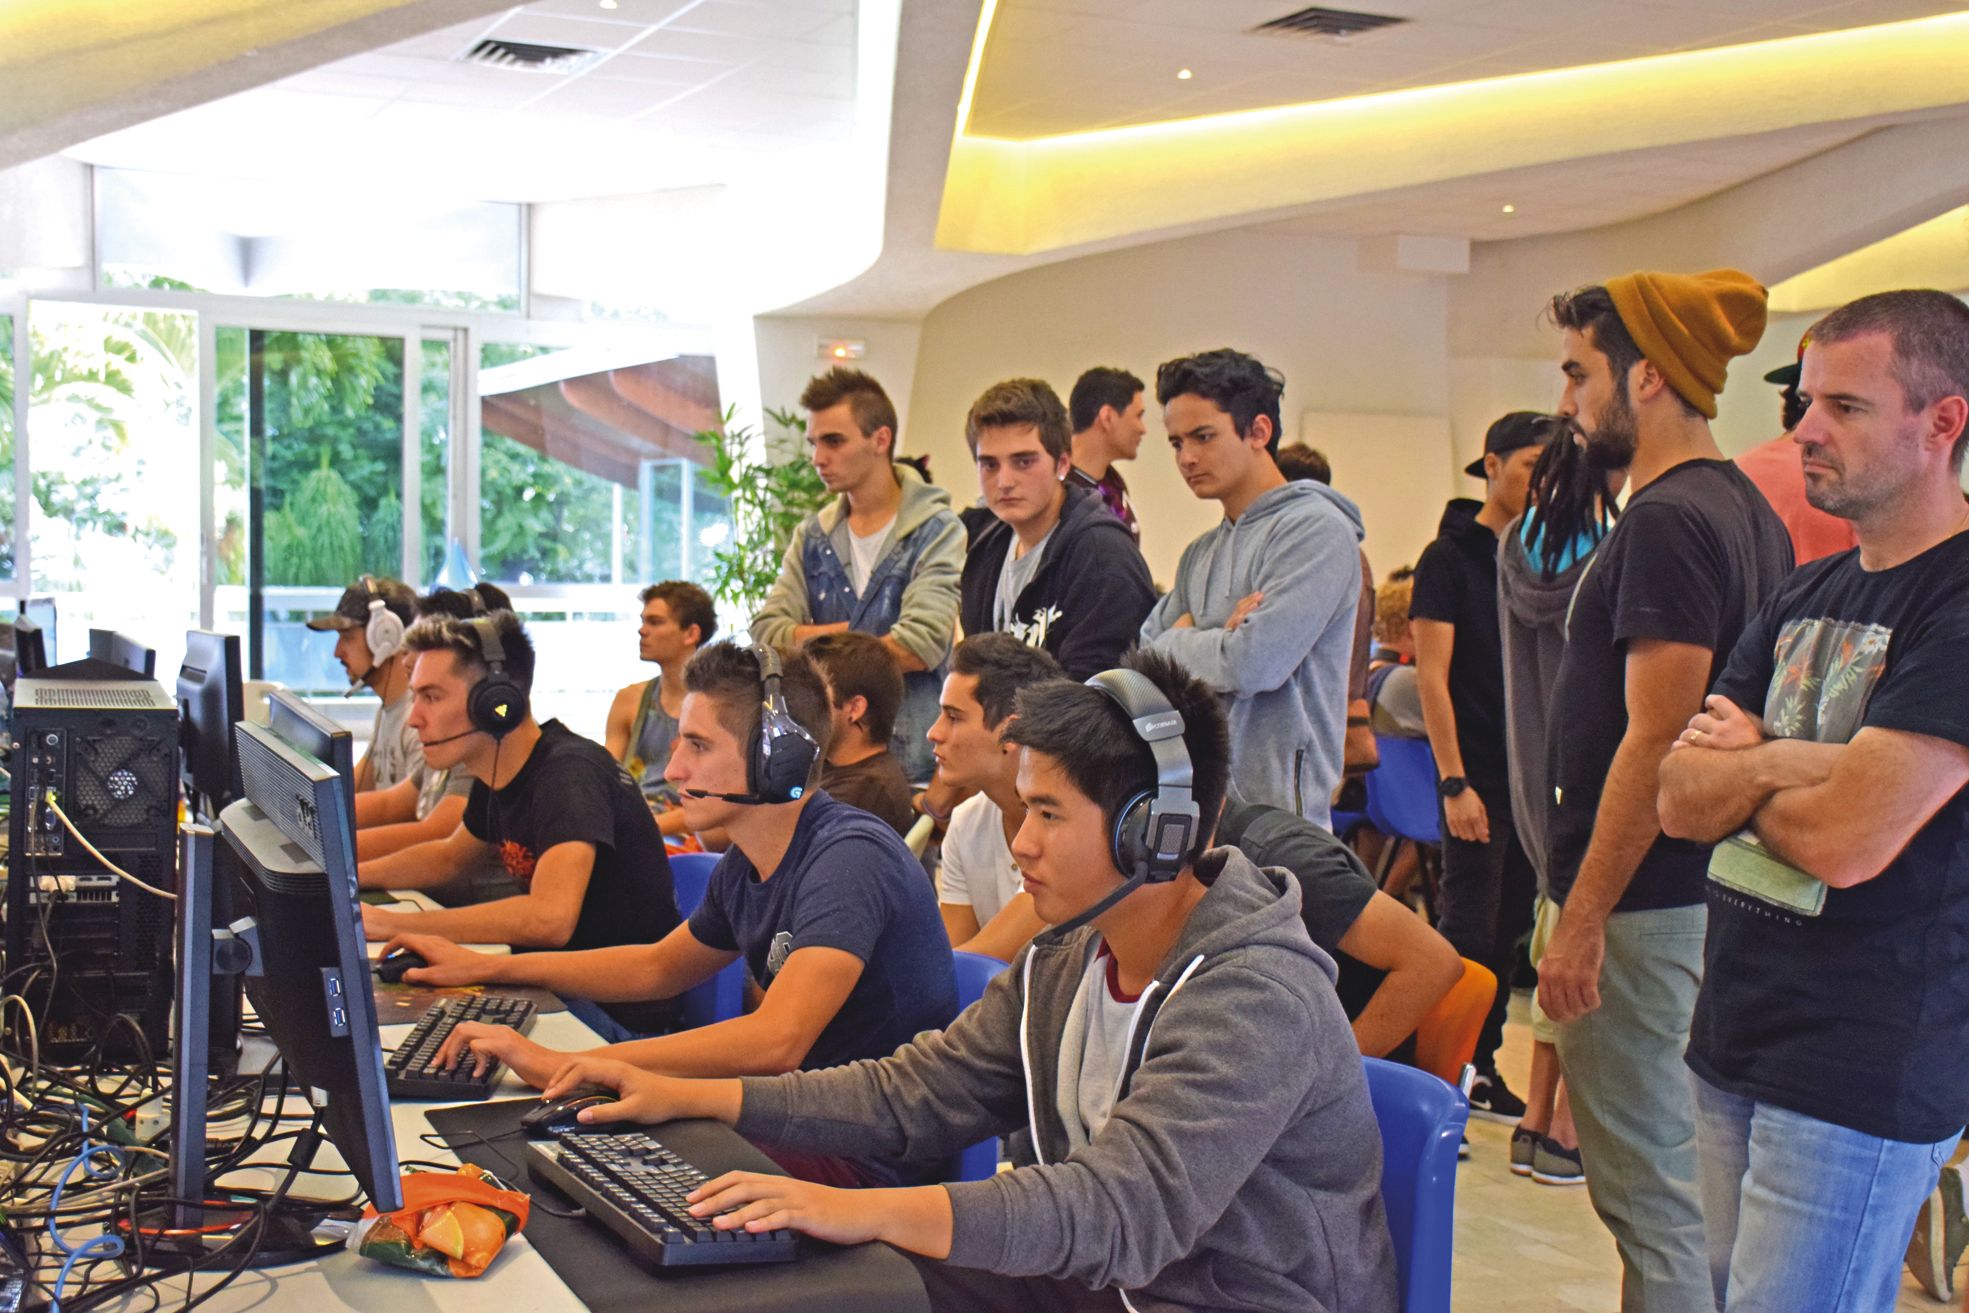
[(83, 946)]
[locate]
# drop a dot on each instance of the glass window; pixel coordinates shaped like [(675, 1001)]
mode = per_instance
[(248, 237), (112, 421), (434, 459), (6, 446), (319, 420)]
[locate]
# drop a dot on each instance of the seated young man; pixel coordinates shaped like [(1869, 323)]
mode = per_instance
[(979, 892), (1177, 1167), (826, 905), (677, 618), (368, 622), (864, 691), (562, 817), (1393, 967), (429, 803)]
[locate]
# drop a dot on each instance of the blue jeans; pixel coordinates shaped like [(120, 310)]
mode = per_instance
[(590, 1014), (1805, 1216)]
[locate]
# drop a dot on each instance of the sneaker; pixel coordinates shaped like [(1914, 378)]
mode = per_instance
[(1463, 1150), (1490, 1100), (1940, 1232), (1522, 1144), (1554, 1164)]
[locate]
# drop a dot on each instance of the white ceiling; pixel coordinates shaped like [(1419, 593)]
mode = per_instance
[(684, 93), (1057, 66)]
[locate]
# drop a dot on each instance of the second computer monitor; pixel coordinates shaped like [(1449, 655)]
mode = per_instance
[(123, 650), (210, 703), (290, 716), (294, 894)]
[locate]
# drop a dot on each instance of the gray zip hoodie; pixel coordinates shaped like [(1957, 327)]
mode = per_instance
[(1241, 1166), (1531, 612), (1283, 672)]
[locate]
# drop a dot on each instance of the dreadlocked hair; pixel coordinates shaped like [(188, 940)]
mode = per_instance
[(1568, 498)]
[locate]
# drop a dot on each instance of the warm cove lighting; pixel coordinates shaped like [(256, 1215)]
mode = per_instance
[(1021, 196), (1931, 254)]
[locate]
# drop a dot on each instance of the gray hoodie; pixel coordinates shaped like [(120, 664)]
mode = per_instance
[(1241, 1166), (1531, 611), (1283, 672)]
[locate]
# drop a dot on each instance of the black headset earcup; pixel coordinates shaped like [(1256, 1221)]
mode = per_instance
[(496, 705), (782, 759), (1129, 842)]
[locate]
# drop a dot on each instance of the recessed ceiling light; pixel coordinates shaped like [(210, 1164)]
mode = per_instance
[(611, 4), (1184, 75), (1510, 209)]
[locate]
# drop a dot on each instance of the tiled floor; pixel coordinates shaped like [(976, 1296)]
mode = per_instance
[(1525, 1246)]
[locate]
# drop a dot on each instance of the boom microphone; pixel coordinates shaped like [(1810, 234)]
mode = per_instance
[(748, 799)]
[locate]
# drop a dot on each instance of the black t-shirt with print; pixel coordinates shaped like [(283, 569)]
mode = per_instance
[(1849, 1005), (571, 791), (1691, 559)]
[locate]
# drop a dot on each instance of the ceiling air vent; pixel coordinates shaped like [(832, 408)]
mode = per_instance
[(1338, 26), (528, 58)]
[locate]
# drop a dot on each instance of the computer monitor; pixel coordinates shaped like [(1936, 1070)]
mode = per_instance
[(210, 703), (290, 716), (30, 647), (123, 650), (293, 894), (41, 610)]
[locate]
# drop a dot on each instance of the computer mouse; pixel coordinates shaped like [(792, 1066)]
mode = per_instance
[(390, 968), (557, 1116)]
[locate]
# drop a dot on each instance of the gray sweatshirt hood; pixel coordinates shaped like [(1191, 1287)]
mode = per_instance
[(1277, 500), (920, 501), (1524, 590)]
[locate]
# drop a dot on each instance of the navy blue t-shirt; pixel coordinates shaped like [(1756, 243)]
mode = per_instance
[(846, 882)]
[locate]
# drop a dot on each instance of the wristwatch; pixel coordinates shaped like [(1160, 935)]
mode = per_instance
[(1451, 786)]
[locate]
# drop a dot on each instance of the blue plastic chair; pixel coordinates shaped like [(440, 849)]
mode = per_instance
[(974, 972), (723, 996), (1401, 791), (1421, 1120)]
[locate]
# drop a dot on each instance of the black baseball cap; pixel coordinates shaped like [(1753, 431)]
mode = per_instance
[(1520, 428), (352, 612), (1786, 376)]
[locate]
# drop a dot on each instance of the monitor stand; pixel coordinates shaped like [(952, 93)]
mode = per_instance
[(182, 1233)]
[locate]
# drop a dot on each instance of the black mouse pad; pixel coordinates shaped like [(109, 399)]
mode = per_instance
[(603, 1275)]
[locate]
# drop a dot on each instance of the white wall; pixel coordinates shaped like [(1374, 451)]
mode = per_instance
[(1347, 342), (789, 355)]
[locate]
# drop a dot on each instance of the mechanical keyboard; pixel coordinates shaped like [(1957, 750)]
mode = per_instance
[(631, 1184), (407, 1066)]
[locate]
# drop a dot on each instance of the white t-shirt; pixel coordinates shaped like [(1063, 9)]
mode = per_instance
[(977, 869), (1092, 1049), (864, 553), (1013, 576), (394, 751)]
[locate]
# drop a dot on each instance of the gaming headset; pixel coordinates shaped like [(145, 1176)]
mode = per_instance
[(496, 705), (1153, 829), (782, 757), (384, 632)]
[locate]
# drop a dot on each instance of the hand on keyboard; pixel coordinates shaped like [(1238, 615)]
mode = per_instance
[(479, 1046), (762, 1203), (448, 965)]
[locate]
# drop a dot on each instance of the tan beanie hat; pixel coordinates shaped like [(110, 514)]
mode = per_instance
[(1690, 326)]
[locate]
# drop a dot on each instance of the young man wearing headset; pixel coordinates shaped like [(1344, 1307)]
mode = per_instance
[(1201, 1118), (554, 808), (369, 623), (830, 911)]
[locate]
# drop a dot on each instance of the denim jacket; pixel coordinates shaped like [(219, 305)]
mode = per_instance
[(911, 596)]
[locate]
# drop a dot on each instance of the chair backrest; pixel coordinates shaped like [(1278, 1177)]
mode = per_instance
[(1401, 791), (974, 972), (919, 834), (1421, 1120), (1446, 1039), (722, 997), (690, 874)]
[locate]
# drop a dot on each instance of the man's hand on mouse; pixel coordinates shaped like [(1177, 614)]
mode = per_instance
[(448, 964)]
